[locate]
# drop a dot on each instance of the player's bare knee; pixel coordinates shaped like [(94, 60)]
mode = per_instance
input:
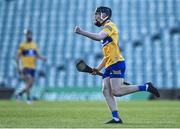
[(30, 80), (104, 90), (115, 92), (29, 84), (118, 92)]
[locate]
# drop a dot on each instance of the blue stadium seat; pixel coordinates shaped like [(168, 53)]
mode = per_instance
[(52, 23)]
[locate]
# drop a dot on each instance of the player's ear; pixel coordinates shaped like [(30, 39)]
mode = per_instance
[(104, 16)]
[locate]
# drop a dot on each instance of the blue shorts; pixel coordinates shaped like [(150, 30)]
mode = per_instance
[(116, 70), (29, 71)]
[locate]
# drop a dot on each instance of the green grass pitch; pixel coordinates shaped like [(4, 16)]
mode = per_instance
[(89, 114)]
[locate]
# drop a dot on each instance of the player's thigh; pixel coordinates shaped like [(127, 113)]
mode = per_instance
[(116, 83), (106, 88), (30, 79), (106, 80), (29, 76), (117, 75)]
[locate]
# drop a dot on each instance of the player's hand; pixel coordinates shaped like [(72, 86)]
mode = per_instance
[(77, 30), (45, 59), (19, 70), (20, 73), (95, 71)]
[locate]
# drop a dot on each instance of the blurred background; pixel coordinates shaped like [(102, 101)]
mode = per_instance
[(149, 38)]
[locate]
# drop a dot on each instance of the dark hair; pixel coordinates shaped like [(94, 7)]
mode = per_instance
[(105, 10), (29, 32)]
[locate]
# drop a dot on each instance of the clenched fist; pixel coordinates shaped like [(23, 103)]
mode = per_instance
[(77, 29), (95, 71)]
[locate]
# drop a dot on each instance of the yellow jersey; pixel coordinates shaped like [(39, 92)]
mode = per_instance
[(28, 52), (110, 46)]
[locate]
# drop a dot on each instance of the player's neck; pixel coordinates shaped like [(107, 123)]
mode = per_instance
[(106, 22), (29, 40)]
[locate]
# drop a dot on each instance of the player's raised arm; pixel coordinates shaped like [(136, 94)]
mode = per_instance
[(94, 36)]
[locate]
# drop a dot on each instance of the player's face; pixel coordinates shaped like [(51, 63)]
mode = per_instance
[(97, 19), (29, 37)]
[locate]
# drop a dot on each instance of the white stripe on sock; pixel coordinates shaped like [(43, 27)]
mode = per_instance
[(147, 86), (116, 119)]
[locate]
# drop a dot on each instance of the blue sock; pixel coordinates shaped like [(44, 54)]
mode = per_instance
[(142, 87), (115, 115)]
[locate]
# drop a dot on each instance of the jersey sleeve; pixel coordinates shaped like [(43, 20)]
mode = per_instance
[(108, 29), (20, 49)]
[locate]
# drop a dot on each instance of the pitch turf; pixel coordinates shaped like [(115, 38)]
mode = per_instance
[(144, 114)]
